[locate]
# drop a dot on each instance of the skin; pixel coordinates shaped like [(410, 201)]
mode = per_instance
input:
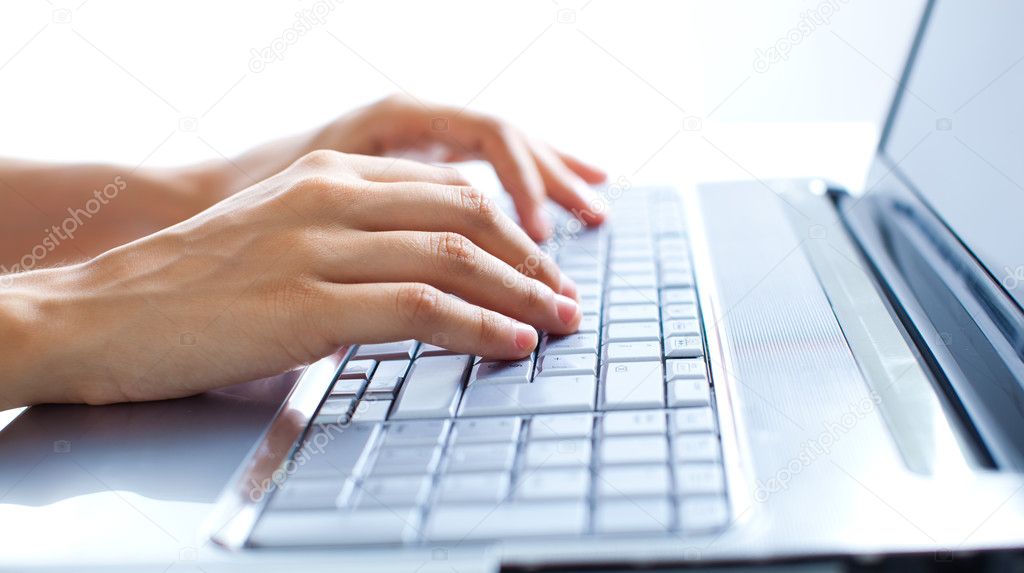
[(199, 277)]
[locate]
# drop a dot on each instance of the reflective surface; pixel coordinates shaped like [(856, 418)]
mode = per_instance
[(958, 130)]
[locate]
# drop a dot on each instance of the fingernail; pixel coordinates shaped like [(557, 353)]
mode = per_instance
[(568, 287), (567, 308), (525, 336)]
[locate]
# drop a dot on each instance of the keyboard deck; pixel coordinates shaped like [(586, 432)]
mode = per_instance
[(608, 431)]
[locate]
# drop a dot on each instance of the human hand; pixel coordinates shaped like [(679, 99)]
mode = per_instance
[(334, 250), (530, 170)]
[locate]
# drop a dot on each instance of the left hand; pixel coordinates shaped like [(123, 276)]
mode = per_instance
[(530, 170)]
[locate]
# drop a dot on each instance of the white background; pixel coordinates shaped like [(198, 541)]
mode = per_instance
[(113, 80)]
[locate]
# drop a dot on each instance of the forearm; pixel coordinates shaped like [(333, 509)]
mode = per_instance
[(30, 312), (53, 214)]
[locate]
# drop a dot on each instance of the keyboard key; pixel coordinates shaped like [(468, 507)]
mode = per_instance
[(631, 313), (431, 350), (590, 304), (684, 347), (520, 519), (590, 290), (699, 478), (307, 494), (632, 351), (692, 392), (633, 281), (484, 487), (393, 460), (557, 426), (403, 349), (390, 492), (556, 453), (633, 385), (560, 483), (568, 364), (371, 411), (417, 433), (632, 296), (502, 372), (387, 376), (633, 481), (676, 279), (479, 457), (348, 387), (336, 452), (689, 420), (584, 275), (332, 527), (633, 515), (679, 311), (589, 323), (703, 513), (686, 369), (697, 448), (632, 268), (335, 411), (634, 423), (634, 449), (432, 387), (579, 343), (678, 295), (543, 395), (682, 327), (501, 430), (633, 332), (361, 369)]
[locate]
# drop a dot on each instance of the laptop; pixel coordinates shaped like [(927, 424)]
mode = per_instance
[(766, 372)]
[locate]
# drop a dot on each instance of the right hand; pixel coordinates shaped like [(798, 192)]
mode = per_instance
[(335, 250)]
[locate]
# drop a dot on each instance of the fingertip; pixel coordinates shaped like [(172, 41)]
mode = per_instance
[(537, 224), (524, 337)]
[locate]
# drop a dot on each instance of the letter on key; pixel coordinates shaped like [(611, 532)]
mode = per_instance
[(629, 385), (432, 388)]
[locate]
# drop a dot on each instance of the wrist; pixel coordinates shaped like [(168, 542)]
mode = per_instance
[(31, 315)]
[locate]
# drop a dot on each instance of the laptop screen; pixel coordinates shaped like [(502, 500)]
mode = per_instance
[(956, 130)]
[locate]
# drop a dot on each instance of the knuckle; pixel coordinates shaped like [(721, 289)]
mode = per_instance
[(419, 303), (534, 292), (320, 158), (487, 326), (457, 252), (316, 189), (479, 208)]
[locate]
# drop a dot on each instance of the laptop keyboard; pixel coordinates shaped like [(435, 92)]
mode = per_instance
[(608, 431)]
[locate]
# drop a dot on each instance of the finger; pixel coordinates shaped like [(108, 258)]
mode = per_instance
[(508, 153), (464, 210), (567, 188), (452, 263), (395, 169), (589, 173), (368, 313)]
